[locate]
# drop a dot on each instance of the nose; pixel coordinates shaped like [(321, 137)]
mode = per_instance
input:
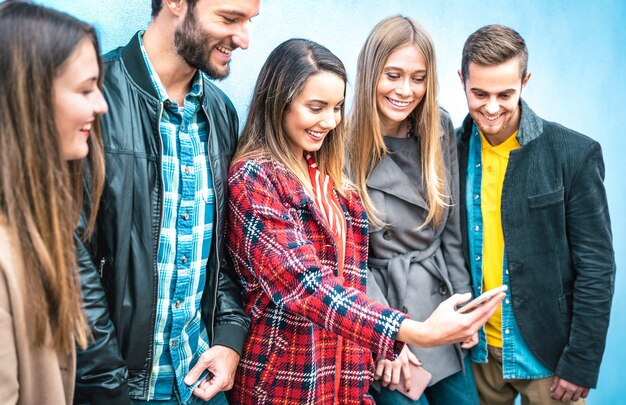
[(100, 105), (492, 106), (405, 89), (330, 121), (241, 38)]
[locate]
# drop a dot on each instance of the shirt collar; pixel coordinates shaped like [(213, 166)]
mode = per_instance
[(197, 81)]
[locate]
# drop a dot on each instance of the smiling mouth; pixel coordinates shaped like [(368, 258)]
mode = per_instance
[(226, 51), (315, 134), (86, 127), (491, 119), (397, 103)]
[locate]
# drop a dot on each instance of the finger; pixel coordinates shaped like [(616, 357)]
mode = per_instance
[(558, 392), (585, 392), (380, 368), (567, 396), (457, 300), (206, 390), (482, 314), (555, 383), (387, 375), (406, 377), (576, 395)]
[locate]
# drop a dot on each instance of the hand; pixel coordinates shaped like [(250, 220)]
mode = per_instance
[(565, 391), (471, 342), (221, 362), (445, 325), (390, 372)]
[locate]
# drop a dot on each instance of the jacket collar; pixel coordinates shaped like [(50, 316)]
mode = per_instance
[(530, 127), (390, 179), (136, 66)]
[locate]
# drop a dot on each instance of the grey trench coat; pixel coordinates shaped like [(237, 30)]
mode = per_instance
[(414, 271)]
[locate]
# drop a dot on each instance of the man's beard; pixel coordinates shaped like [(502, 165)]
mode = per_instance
[(193, 45)]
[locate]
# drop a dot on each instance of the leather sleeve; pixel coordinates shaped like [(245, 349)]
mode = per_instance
[(101, 374)]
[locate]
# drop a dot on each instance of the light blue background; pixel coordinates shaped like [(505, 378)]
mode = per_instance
[(577, 60)]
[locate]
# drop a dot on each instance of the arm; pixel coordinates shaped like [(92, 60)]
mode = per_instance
[(100, 371), (270, 243), (590, 242)]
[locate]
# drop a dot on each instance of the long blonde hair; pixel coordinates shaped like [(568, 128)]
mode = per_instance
[(41, 195), (366, 146), (282, 78)]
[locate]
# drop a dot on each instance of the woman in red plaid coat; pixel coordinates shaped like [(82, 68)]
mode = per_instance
[(297, 238)]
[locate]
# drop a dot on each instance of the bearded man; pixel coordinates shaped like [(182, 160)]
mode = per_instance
[(166, 315)]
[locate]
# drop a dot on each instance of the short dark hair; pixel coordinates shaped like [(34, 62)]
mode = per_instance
[(492, 45), (157, 5)]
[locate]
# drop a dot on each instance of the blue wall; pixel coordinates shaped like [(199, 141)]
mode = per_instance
[(577, 58)]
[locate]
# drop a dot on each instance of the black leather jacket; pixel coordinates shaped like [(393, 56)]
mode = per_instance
[(118, 269)]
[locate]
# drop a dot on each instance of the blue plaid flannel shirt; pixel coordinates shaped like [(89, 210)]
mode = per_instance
[(180, 335)]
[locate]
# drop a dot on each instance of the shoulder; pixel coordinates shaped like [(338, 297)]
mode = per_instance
[(263, 172)]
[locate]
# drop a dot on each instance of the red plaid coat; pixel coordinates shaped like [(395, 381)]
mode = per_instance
[(286, 261)]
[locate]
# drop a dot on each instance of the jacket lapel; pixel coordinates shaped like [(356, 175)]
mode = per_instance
[(390, 179)]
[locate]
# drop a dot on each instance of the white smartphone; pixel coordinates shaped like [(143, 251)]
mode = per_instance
[(484, 298)]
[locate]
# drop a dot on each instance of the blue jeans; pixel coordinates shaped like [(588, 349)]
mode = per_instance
[(459, 388), (219, 399)]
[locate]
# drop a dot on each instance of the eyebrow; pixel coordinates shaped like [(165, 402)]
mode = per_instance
[(478, 90), (236, 13), (399, 68)]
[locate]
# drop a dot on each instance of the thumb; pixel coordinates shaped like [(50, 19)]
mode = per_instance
[(194, 374), (555, 382), (413, 359), (459, 299)]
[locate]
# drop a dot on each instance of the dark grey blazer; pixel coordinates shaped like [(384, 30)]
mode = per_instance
[(558, 242), (414, 271)]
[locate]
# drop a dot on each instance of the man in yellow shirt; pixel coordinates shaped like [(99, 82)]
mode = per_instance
[(535, 218)]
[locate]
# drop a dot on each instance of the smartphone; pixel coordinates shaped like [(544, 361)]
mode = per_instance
[(420, 378), (484, 298)]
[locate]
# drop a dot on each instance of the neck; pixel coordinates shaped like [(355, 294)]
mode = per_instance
[(175, 74), (396, 129)]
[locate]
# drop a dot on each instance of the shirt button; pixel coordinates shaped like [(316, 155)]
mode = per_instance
[(177, 304), (187, 170), (506, 301), (173, 344), (476, 197), (185, 216), (443, 289), (479, 288), (477, 164), (387, 235), (184, 259), (477, 228), (506, 331), (477, 258), (506, 271)]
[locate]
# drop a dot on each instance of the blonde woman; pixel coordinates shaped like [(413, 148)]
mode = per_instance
[(49, 105), (403, 161)]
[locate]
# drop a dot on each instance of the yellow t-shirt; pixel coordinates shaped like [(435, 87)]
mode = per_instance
[(494, 162)]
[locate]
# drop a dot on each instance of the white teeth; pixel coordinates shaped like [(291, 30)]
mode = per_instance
[(491, 118), (86, 128), (224, 50), (398, 103), (315, 134)]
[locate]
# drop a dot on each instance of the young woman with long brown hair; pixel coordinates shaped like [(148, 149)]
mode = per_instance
[(49, 105)]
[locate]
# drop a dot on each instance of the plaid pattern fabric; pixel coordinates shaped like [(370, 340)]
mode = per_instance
[(180, 336), (286, 260)]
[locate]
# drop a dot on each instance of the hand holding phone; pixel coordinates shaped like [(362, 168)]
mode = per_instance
[(482, 299)]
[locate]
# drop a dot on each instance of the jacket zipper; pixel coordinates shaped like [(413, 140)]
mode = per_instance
[(215, 234), (103, 262)]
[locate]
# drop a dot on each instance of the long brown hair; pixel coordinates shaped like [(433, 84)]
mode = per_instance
[(41, 194), (282, 78), (366, 146)]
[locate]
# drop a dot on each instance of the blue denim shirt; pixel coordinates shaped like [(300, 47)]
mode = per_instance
[(518, 362)]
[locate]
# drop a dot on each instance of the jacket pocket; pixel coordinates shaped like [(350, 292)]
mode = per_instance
[(546, 199)]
